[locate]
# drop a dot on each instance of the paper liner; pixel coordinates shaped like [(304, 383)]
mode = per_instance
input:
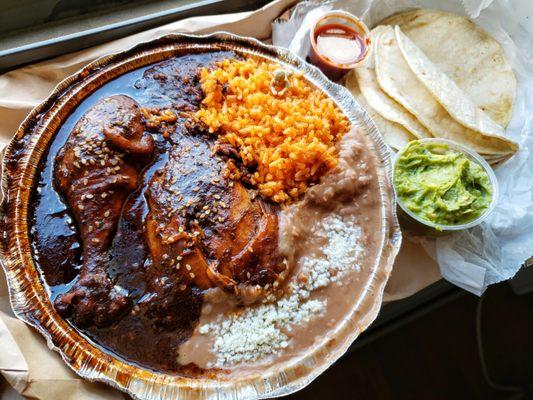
[(29, 297)]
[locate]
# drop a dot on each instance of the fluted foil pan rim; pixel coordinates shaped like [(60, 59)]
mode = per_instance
[(30, 301)]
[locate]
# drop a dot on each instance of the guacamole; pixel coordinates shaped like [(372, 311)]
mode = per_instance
[(441, 185)]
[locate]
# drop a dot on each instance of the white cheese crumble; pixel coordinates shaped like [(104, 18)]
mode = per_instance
[(263, 330), (341, 253), (257, 331)]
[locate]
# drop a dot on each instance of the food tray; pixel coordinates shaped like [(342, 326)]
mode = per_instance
[(30, 300)]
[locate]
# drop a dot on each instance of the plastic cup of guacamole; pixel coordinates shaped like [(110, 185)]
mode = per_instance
[(442, 187)]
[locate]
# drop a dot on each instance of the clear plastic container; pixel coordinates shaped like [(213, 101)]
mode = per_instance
[(418, 226)]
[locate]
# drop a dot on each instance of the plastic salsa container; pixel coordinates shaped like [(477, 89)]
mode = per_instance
[(339, 42), (420, 226)]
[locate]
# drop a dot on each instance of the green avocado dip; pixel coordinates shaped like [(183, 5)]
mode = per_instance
[(441, 185)]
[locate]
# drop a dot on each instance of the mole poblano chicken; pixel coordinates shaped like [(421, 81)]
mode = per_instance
[(209, 214)]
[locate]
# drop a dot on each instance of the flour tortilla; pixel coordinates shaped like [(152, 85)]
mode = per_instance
[(398, 80), (447, 93), (467, 54), (395, 135), (382, 103)]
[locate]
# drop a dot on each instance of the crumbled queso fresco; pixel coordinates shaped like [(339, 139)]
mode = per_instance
[(265, 329)]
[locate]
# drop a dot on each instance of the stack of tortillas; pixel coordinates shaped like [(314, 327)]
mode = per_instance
[(435, 74)]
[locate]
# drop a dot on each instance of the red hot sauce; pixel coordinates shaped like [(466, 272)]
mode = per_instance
[(339, 42)]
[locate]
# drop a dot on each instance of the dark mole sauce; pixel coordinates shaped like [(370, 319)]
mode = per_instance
[(139, 337)]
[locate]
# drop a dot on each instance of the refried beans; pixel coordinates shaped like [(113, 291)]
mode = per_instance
[(331, 240)]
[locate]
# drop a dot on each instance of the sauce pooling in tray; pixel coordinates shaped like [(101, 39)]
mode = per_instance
[(119, 281)]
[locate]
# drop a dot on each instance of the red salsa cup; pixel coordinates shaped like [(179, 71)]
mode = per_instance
[(339, 43)]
